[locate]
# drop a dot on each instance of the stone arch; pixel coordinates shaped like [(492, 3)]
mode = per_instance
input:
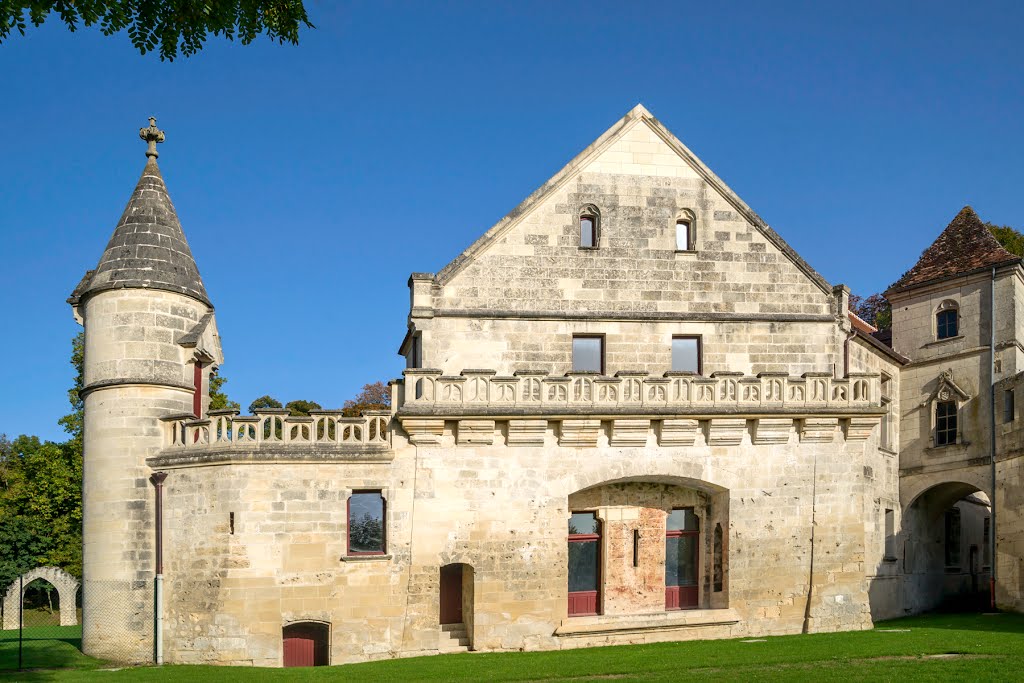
[(943, 544), (633, 510), (67, 592)]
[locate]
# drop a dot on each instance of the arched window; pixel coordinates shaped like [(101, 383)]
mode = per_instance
[(685, 230), (947, 320), (590, 227)]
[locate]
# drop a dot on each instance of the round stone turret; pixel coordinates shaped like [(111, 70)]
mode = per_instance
[(150, 343)]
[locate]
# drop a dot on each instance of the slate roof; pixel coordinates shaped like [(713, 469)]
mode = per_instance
[(148, 249), (964, 246)]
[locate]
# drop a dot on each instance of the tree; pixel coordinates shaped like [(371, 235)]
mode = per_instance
[(301, 407), (1011, 240), (173, 26), (874, 310), (218, 399), (73, 422), (264, 402), (376, 396)]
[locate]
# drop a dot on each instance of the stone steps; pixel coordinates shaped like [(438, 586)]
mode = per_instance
[(454, 638)]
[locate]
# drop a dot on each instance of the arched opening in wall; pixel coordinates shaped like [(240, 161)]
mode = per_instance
[(306, 643), (647, 545), (40, 604), (946, 549)]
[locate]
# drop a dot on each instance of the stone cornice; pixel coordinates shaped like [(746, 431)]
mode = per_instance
[(270, 454), (624, 316)]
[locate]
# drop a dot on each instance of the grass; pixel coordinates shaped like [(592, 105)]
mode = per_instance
[(939, 647)]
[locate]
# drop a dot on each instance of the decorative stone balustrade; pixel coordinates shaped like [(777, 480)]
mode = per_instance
[(536, 391), (277, 427)]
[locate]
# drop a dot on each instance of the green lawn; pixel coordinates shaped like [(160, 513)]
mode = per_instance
[(957, 647)]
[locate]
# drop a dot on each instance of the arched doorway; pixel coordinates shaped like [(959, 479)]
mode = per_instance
[(306, 643), (947, 549)]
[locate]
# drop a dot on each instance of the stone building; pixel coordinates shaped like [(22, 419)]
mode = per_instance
[(630, 413)]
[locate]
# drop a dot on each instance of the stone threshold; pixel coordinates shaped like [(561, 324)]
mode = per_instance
[(611, 624)]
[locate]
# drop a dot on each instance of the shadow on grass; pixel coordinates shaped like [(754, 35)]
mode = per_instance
[(997, 622)]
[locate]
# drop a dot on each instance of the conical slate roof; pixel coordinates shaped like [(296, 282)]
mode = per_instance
[(148, 249), (965, 245)]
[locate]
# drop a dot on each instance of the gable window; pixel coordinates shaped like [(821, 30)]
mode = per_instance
[(685, 231), (945, 423), (947, 320), (682, 530), (588, 353), (584, 563), (366, 528), (686, 354), (589, 227)]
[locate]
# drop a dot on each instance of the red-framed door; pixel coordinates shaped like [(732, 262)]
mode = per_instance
[(584, 564), (682, 559), (305, 644)]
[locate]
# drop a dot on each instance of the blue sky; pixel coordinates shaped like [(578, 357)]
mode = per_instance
[(312, 180)]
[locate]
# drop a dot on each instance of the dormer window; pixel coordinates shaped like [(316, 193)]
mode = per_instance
[(947, 320), (945, 423), (590, 221), (685, 232)]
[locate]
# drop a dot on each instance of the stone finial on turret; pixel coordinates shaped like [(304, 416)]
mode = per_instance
[(152, 135)]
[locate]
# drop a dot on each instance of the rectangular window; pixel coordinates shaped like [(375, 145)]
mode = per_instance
[(588, 232), (945, 423), (584, 563), (952, 538), (588, 354), (986, 543), (197, 394), (415, 359), (682, 532), (890, 534), (683, 240), (885, 435), (945, 324), (366, 528), (686, 354), (1008, 407)]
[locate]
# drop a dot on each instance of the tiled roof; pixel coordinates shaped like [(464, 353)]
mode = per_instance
[(861, 324), (148, 247), (964, 246)]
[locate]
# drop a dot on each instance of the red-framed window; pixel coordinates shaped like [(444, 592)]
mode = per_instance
[(682, 537), (367, 523), (584, 564), (197, 395)]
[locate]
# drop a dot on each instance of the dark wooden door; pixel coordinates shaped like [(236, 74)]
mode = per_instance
[(451, 594), (305, 645)]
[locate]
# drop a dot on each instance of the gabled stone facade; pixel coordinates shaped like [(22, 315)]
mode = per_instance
[(518, 497)]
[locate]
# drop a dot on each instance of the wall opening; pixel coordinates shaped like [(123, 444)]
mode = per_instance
[(306, 643)]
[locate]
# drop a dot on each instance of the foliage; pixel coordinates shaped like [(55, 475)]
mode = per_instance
[(73, 421), (366, 534), (219, 399), (172, 26), (376, 396), (1011, 240), (264, 402), (296, 408), (874, 310)]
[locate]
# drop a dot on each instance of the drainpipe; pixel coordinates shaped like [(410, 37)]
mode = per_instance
[(992, 426), (158, 589)]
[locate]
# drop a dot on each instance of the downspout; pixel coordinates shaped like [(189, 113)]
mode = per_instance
[(157, 479), (992, 426)]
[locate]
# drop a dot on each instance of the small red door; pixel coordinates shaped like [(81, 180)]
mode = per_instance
[(451, 594), (305, 644)]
